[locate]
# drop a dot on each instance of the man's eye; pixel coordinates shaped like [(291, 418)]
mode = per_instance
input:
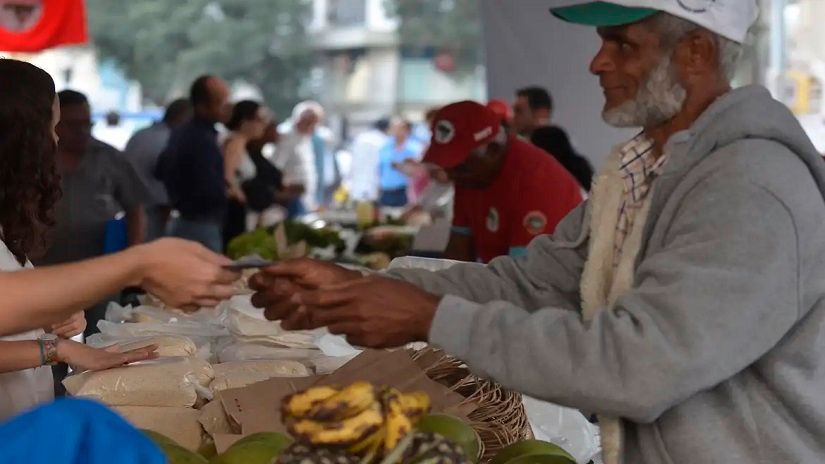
[(626, 47)]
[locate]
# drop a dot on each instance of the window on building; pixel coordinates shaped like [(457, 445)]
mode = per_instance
[(347, 12)]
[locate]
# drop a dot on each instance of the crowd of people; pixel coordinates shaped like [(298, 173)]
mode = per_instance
[(206, 172), (47, 148), (211, 170)]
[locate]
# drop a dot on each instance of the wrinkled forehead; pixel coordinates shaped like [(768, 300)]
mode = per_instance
[(641, 32)]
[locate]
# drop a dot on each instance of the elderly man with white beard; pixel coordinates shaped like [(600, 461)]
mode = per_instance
[(683, 304)]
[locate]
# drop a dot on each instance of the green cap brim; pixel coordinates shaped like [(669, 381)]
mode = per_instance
[(602, 14)]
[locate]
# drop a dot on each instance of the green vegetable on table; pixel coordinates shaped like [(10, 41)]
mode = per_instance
[(259, 242), (262, 242)]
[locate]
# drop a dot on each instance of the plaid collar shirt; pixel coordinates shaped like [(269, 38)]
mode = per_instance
[(638, 168)]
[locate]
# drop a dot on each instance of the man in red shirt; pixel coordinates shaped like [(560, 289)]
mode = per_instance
[(507, 191)]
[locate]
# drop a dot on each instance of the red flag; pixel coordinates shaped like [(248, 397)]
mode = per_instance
[(34, 25)]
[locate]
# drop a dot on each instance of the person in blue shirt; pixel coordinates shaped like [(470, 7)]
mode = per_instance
[(399, 149), (75, 431)]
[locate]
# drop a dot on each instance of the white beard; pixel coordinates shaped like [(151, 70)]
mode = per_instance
[(658, 100)]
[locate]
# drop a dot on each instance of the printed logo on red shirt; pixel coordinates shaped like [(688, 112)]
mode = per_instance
[(492, 220), (535, 222)]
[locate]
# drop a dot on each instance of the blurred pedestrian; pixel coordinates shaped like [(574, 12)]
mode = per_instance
[(266, 197), (393, 156), (296, 156), (103, 196), (143, 151), (248, 122), (507, 192), (532, 109), (192, 166), (363, 182), (554, 140)]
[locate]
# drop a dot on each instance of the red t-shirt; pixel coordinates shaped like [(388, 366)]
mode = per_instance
[(530, 196)]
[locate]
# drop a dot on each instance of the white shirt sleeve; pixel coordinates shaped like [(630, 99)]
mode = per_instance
[(290, 162)]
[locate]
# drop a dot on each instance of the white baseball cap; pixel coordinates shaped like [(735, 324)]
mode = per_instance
[(728, 18)]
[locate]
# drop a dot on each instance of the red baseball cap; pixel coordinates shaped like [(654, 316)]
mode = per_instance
[(458, 129), (502, 109)]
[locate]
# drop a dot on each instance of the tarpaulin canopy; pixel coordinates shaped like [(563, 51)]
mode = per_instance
[(35, 25)]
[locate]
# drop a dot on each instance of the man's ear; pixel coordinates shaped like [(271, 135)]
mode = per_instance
[(696, 54)]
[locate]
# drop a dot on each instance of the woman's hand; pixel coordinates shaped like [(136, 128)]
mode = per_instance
[(74, 325), (85, 358), (184, 274)]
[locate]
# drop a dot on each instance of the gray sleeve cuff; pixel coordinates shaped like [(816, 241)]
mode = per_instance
[(453, 324)]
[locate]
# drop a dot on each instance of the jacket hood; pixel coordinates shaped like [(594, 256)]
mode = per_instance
[(750, 113)]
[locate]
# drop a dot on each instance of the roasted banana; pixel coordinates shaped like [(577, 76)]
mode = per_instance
[(369, 445), (415, 405), (348, 402), (298, 405), (341, 433), (396, 423)]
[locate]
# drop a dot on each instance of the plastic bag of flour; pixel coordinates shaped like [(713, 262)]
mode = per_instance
[(160, 382)]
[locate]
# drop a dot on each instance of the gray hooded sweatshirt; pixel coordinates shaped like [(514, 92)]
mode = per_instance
[(717, 353)]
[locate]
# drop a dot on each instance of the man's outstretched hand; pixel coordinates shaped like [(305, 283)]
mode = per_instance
[(276, 285), (374, 312)]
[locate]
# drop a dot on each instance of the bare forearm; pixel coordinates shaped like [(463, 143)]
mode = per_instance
[(19, 355), (136, 226), (40, 297)]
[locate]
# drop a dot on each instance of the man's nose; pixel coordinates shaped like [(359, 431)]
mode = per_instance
[(602, 62)]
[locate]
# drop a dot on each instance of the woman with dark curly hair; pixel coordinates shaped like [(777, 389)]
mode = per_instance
[(36, 301)]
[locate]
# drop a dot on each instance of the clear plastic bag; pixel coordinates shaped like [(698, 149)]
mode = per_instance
[(118, 313), (168, 345), (565, 427), (242, 373), (248, 324), (160, 382), (142, 329), (244, 351)]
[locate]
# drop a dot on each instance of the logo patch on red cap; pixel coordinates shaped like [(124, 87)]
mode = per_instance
[(535, 222), (444, 132)]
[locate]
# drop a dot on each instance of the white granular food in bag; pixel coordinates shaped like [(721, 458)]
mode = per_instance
[(243, 373), (246, 320), (168, 345), (161, 382), (180, 424), (241, 351)]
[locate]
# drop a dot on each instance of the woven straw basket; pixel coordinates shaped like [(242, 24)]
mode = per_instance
[(499, 418)]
